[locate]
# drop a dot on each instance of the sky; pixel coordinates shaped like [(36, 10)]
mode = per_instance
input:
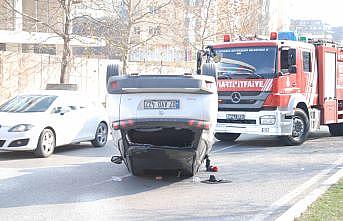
[(330, 11)]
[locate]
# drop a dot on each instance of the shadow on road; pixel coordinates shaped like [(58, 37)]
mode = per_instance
[(78, 150), (81, 183), (16, 155)]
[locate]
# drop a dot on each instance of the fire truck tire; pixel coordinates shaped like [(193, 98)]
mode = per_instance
[(112, 70), (336, 129), (300, 129), (209, 69), (226, 136)]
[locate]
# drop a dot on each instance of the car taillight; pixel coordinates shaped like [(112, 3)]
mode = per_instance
[(130, 122), (199, 124), (116, 125), (190, 122), (114, 84)]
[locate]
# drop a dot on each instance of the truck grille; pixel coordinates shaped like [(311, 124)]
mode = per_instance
[(236, 121), (248, 100)]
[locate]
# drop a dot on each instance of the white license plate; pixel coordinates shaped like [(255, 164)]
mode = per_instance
[(235, 117), (161, 104)]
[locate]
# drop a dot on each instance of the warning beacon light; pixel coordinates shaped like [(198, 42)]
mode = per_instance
[(284, 35), (273, 36), (287, 35), (227, 38)]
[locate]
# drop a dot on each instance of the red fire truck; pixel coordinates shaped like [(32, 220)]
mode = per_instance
[(282, 86)]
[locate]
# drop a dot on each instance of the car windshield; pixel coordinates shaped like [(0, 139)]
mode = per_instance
[(247, 62), (28, 103)]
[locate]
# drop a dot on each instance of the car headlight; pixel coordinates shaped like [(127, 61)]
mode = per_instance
[(267, 120), (20, 128)]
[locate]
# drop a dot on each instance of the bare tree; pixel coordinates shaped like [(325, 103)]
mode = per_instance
[(198, 22), (207, 20), (59, 22), (127, 24)]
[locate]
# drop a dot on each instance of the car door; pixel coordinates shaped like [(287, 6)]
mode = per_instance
[(90, 117), (68, 121)]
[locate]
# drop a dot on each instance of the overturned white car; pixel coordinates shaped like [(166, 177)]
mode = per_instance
[(162, 123)]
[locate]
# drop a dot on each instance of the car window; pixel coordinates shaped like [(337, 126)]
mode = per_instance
[(28, 103)]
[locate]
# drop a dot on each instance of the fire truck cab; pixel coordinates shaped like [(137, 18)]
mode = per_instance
[(281, 87)]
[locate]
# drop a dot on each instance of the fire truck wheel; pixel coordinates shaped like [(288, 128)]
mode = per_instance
[(300, 129), (336, 129), (226, 136)]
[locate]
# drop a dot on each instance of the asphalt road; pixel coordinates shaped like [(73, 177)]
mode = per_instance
[(80, 183)]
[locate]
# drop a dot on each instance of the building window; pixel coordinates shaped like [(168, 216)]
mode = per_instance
[(151, 30), (158, 30), (2, 47), (307, 62), (44, 49), (137, 30)]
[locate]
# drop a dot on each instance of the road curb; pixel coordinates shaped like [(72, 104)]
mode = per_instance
[(285, 200), (301, 206)]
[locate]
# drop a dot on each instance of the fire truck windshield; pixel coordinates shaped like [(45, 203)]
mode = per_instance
[(247, 62)]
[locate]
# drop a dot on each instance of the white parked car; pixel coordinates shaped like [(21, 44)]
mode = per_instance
[(42, 120)]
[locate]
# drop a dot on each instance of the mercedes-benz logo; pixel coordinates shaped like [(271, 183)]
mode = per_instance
[(236, 97)]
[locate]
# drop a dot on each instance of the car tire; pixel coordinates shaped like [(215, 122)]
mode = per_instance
[(226, 136), (100, 138), (112, 70), (46, 143), (336, 129), (300, 129)]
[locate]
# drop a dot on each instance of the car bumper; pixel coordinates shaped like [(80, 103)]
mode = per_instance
[(18, 140), (252, 124)]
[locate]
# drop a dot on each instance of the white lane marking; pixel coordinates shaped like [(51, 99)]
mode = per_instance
[(296, 192), (224, 148), (297, 209), (6, 173)]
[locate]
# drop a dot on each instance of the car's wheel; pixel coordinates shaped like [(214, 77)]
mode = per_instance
[(336, 129), (101, 133), (300, 129), (46, 143), (226, 136), (208, 69)]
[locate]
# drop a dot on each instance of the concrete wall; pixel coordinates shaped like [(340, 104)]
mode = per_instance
[(21, 72)]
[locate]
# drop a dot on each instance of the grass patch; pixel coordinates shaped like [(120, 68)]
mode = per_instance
[(329, 207)]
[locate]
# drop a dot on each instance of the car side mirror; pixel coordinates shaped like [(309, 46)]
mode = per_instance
[(292, 57), (61, 110), (117, 159), (292, 69)]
